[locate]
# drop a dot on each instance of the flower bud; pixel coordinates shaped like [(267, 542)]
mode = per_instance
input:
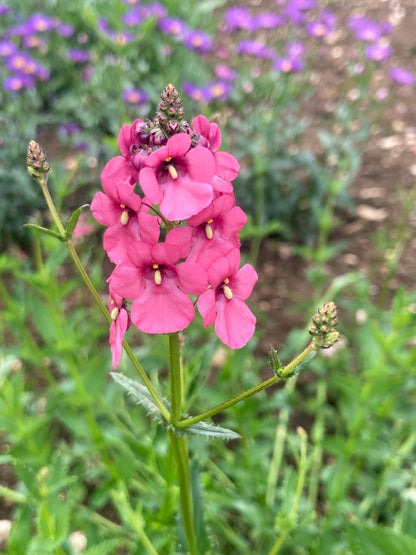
[(323, 325), (36, 161)]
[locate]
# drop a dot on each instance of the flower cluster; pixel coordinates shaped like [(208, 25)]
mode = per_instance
[(172, 229)]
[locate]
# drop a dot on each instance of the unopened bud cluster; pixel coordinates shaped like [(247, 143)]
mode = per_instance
[(36, 161), (323, 325)]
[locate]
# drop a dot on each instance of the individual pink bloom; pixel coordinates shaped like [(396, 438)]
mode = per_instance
[(215, 230), (179, 178), (120, 324), (140, 226), (121, 210), (224, 302), (226, 166), (159, 285), (133, 145)]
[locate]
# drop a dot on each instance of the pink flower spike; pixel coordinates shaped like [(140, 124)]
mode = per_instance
[(234, 321), (210, 134)]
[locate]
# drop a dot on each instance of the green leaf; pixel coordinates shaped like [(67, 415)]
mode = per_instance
[(140, 393), (379, 540), (73, 220), (46, 231), (207, 430)]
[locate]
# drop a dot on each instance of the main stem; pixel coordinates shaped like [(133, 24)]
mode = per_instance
[(180, 443)]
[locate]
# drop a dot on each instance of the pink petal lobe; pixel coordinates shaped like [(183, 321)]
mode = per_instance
[(206, 307), (104, 210), (227, 166), (150, 185), (192, 278), (243, 282), (126, 281), (178, 145), (235, 323), (184, 198), (117, 331), (162, 308)]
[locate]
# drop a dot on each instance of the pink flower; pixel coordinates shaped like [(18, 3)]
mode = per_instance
[(215, 230), (179, 178), (159, 284), (119, 326), (226, 166), (132, 143), (224, 302)]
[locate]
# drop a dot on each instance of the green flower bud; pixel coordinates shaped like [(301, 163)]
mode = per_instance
[(36, 161)]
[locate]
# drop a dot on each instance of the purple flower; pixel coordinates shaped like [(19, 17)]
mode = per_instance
[(7, 48), (16, 83), (267, 21), (17, 62), (35, 41), (224, 72), (39, 23), (238, 18), (195, 92), (219, 90), (377, 52), (78, 56), (133, 18), (70, 128), (255, 48), (365, 29), (294, 49), (5, 9), (288, 65), (317, 29), (401, 76), (135, 96), (199, 41), (173, 26), (65, 30)]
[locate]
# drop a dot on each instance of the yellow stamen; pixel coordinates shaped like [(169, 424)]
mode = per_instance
[(227, 292), (172, 171), (208, 230), (226, 280), (124, 217), (114, 313), (158, 277)]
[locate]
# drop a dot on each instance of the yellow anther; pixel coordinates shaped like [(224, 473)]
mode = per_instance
[(124, 217), (208, 230), (226, 280), (155, 266), (158, 277), (112, 301), (168, 159), (172, 171), (227, 292), (114, 313), (122, 206)]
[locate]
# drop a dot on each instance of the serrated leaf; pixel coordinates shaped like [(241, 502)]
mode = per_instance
[(140, 393), (46, 231), (208, 430), (73, 220)]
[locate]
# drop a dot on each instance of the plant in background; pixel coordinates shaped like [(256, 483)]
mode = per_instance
[(172, 231)]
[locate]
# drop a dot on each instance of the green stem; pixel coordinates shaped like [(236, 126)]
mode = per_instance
[(158, 401), (180, 443), (12, 495), (286, 371), (299, 488)]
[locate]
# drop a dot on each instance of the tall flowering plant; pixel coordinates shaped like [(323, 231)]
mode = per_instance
[(172, 233)]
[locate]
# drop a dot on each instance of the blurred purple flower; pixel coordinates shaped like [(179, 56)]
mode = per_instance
[(288, 65), (16, 83), (133, 18), (78, 56), (5, 9), (135, 96), (7, 48), (198, 40), (173, 26), (65, 30), (35, 41), (222, 71), (255, 48), (130, 2), (70, 128), (195, 92), (154, 9), (317, 29), (294, 49), (40, 22), (303, 4), (17, 61), (377, 52), (219, 90), (267, 21), (401, 76), (238, 18), (365, 29)]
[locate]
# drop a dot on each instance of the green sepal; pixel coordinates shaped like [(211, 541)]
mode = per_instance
[(275, 363), (73, 220), (46, 231)]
